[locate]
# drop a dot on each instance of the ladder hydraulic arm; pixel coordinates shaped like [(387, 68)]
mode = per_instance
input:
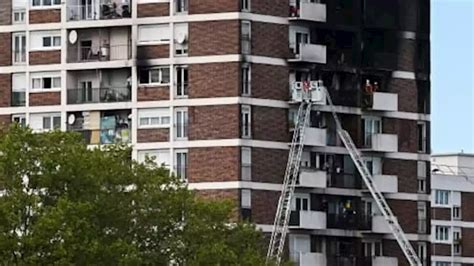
[(280, 225)]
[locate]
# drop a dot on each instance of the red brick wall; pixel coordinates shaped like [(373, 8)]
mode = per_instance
[(441, 249), (467, 242), (270, 40), (6, 12), (153, 135), (153, 51), (45, 57), (270, 123), (278, 8), (232, 195), (213, 6), (6, 48), (407, 94), (264, 205), (45, 98), (352, 123), (214, 122), (406, 170), (214, 37), (153, 10), (270, 82), (214, 164), (406, 131), (5, 90), (268, 165), (441, 214), (45, 16), (158, 93), (214, 80), (5, 121), (406, 212), (467, 211), (392, 249)]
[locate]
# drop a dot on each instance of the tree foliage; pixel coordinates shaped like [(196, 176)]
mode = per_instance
[(62, 203)]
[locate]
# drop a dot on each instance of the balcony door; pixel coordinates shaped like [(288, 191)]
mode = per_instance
[(301, 38), (372, 249), (371, 126), (19, 47), (85, 90), (86, 9)]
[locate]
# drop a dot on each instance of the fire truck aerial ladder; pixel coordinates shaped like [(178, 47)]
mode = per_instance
[(308, 94)]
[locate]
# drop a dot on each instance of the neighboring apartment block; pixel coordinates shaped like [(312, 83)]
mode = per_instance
[(206, 87), (452, 215)]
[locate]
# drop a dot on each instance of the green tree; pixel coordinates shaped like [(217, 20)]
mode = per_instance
[(62, 203)]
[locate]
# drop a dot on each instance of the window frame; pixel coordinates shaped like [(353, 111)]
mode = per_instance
[(54, 4), (181, 133), (442, 233), (184, 4), (160, 70), (245, 5), (246, 80), (52, 40), (246, 42), (181, 86), (456, 213), (42, 83), (246, 167), (442, 197), (149, 118), (184, 163), (52, 123), (21, 14), (422, 145), (246, 199), (246, 127)]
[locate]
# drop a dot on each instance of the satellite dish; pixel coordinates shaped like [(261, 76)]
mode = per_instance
[(181, 37), (73, 37), (71, 119)]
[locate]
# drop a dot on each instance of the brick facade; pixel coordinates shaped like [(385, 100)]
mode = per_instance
[(153, 51), (406, 170), (406, 90), (270, 40), (466, 209), (406, 55), (214, 164), (5, 121), (406, 130), (45, 57), (153, 93), (45, 16), (467, 239), (277, 8), (6, 48), (270, 124), (5, 90), (269, 82), (229, 195), (45, 98), (224, 81), (153, 10), (213, 6), (220, 37), (153, 135), (441, 214), (392, 249), (214, 122), (268, 165), (6, 12), (407, 215), (264, 205)]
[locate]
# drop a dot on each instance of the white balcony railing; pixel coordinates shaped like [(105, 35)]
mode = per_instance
[(312, 220), (386, 183), (315, 136), (310, 259), (309, 90), (384, 142), (380, 225), (312, 178), (312, 53), (383, 101), (309, 11), (384, 261)]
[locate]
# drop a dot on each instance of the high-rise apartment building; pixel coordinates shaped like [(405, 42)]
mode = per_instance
[(452, 218), (207, 88)]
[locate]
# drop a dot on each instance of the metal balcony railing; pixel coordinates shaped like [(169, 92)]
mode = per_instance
[(18, 98), (111, 10), (99, 53), (105, 136), (98, 95)]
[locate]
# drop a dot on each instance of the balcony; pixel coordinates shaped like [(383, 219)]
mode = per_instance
[(315, 136), (305, 10), (380, 225), (309, 90), (384, 142), (97, 10), (98, 95), (386, 183), (311, 53), (381, 101), (99, 53), (312, 178), (310, 259), (347, 221), (308, 220), (384, 261)]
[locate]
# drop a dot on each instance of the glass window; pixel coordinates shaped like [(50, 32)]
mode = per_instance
[(56, 122), (245, 80), (57, 82), (46, 122), (457, 212), (245, 5), (442, 197), (47, 2), (56, 41), (155, 76), (36, 83), (442, 233), (47, 41), (47, 83), (245, 37), (36, 2), (246, 198), (246, 122)]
